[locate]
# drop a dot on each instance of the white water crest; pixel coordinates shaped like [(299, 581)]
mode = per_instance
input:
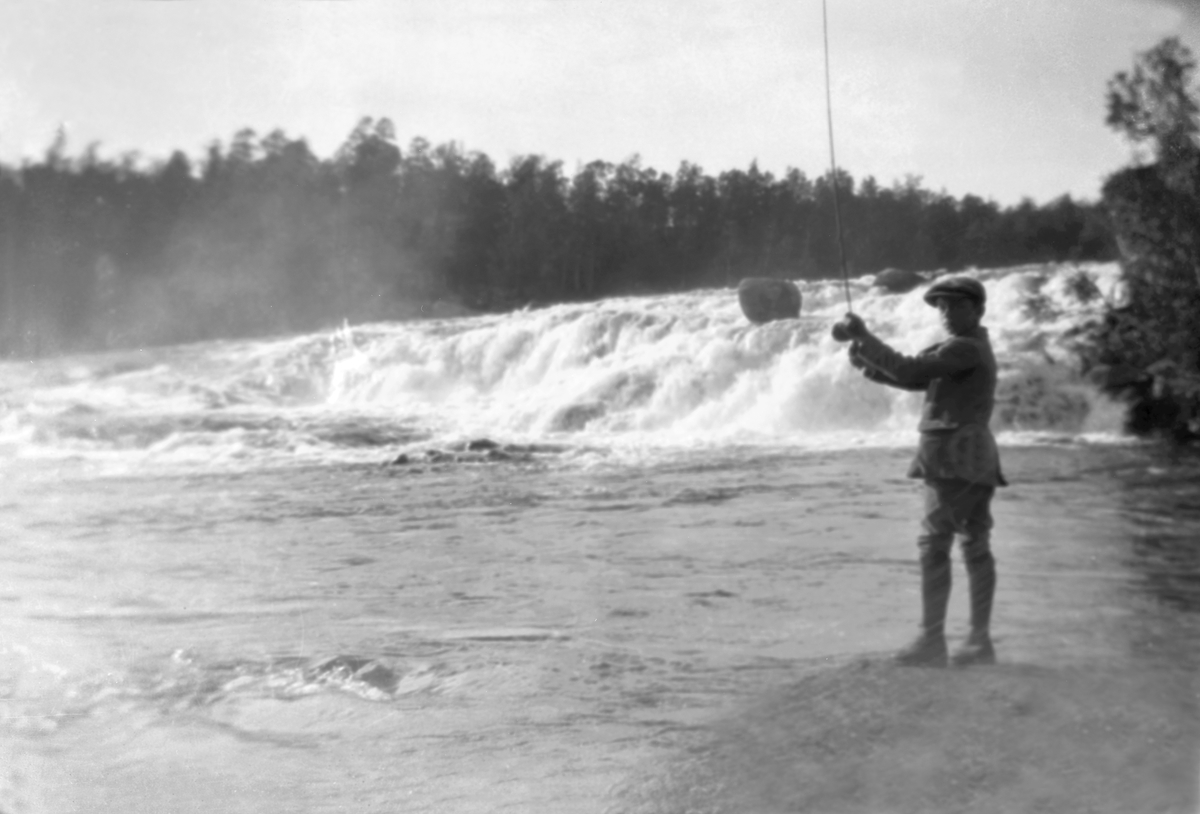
[(635, 374)]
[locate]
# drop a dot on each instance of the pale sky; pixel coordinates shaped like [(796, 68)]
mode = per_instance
[(999, 98)]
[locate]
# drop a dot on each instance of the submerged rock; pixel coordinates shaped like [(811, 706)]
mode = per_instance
[(576, 417), (476, 451), (481, 445), (342, 669), (764, 299)]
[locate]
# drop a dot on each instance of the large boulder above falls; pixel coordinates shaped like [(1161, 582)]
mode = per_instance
[(898, 281), (764, 299)]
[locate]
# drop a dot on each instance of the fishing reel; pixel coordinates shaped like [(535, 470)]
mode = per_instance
[(849, 327)]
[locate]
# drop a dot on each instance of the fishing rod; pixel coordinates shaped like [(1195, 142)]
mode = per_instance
[(766, 299), (837, 206)]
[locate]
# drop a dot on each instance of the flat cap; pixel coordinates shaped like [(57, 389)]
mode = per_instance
[(957, 287)]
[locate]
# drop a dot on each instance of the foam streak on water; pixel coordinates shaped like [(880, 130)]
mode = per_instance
[(660, 372)]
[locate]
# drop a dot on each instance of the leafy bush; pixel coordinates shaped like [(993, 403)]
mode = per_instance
[(1154, 337)]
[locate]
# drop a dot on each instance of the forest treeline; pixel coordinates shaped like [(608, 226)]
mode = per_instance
[(260, 236)]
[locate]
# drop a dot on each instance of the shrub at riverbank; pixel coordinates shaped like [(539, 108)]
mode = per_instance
[(1147, 349)]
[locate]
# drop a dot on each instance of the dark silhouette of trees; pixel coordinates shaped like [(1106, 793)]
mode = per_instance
[(261, 236), (1156, 104), (1149, 346)]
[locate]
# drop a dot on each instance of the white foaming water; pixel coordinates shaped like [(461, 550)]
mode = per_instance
[(634, 374), (690, 370)]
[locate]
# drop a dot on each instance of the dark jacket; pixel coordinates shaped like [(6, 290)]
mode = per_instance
[(959, 380)]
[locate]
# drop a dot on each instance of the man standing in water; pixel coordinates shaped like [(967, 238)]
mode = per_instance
[(956, 457)]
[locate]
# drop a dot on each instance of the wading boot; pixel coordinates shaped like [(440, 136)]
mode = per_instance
[(929, 649), (977, 649)]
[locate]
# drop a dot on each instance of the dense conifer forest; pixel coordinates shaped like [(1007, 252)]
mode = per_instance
[(260, 236)]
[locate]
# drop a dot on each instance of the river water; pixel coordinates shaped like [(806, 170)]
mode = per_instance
[(277, 576)]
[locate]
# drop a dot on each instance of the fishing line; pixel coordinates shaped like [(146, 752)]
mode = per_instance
[(837, 207)]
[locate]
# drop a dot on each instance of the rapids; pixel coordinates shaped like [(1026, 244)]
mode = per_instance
[(630, 376)]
